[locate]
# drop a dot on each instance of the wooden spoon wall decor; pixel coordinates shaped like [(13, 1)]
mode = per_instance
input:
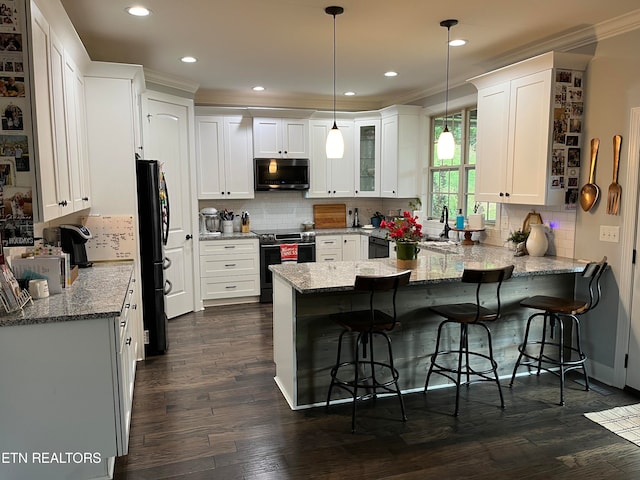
[(615, 190), (590, 192)]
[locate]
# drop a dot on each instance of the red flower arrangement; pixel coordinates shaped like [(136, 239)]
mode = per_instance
[(405, 229)]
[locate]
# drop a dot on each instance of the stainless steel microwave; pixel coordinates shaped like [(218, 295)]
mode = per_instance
[(281, 174)]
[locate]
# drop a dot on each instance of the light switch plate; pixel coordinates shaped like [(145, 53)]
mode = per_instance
[(609, 233)]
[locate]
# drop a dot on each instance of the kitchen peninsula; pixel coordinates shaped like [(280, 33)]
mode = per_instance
[(67, 366), (305, 341)]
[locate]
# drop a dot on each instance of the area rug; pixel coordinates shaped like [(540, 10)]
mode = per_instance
[(623, 421)]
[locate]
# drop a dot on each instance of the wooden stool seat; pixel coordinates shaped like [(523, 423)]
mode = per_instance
[(555, 305), (465, 312)]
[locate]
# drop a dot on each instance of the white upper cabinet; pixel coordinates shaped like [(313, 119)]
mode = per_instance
[(400, 170), (59, 118), (517, 107), (330, 177), (367, 157), (280, 138), (224, 156)]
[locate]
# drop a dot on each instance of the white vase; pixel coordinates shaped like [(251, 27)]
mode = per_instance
[(537, 242)]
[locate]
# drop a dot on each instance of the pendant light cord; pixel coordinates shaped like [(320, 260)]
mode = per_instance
[(446, 95), (334, 69)]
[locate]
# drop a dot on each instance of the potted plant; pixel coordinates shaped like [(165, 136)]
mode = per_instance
[(518, 238), (406, 232)]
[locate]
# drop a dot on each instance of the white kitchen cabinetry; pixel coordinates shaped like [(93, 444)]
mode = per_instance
[(335, 248), (126, 358), (73, 385), (330, 177), (59, 117), (400, 170), (367, 157), (516, 114), (229, 269), (224, 158), (112, 94), (280, 138)]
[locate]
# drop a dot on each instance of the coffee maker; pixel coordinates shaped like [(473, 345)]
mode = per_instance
[(72, 240)]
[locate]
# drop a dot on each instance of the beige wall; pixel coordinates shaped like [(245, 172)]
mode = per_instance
[(612, 89)]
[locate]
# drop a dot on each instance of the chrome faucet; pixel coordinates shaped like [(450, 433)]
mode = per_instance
[(444, 217)]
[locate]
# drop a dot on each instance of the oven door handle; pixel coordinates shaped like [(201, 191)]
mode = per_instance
[(270, 245)]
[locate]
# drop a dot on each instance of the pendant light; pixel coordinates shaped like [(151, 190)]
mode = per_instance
[(335, 142), (446, 143)]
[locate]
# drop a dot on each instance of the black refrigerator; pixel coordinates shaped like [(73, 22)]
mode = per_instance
[(153, 225)]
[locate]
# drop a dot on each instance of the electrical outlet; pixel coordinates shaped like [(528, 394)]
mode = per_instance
[(609, 233)]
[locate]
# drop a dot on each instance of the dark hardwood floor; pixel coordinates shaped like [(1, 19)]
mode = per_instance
[(209, 409)]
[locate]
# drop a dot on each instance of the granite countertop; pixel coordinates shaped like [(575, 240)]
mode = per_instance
[(98, 292), (444, 265)]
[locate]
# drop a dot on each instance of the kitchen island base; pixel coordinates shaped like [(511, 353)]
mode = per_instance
[(305, 340)]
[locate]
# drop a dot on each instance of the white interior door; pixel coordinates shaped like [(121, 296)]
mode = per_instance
[(166, 138), (633, 362)]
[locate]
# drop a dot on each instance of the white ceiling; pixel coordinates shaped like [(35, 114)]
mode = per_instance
[(287, 45)]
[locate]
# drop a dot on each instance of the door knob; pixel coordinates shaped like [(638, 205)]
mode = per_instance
[(188, 237)]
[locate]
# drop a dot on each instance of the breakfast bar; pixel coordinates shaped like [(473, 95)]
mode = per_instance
[(305, 340)]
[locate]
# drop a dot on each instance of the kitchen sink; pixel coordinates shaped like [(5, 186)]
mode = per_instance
[(440, 245)]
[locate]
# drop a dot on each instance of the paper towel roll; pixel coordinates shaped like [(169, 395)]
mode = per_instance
[(476, 221)]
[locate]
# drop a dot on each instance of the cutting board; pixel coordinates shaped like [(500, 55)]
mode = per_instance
[(330, 215)]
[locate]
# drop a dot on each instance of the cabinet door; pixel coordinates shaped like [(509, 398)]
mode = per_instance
[(351, 247), (295, 141), (491, 143), (209, 156), (74, 128), (367, 158), (83, 147), (60, 125), (267, 138), (319, 172), (48, 188), (389, 160), (529, 138), (238, 159), (341, 171)]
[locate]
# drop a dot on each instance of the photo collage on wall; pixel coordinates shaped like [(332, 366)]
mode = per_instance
[(16, 207), (568, 113)]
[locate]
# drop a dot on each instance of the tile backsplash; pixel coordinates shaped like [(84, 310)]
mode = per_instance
[(279, 210)]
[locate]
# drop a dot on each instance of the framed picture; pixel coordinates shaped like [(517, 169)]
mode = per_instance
[(7, 172)]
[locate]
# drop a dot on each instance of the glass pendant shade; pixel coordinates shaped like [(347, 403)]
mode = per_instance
[(335, 143), (446, 145)]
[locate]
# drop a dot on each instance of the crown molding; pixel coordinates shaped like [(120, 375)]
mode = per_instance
[(159, 78)]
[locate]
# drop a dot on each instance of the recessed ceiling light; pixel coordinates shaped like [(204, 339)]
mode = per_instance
[(349, 94), (138, 11), (189, 59), (258, 88), (458, 42), (391, 74)]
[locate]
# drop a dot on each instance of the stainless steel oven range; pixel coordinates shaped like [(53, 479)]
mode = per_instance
[(270, 244)]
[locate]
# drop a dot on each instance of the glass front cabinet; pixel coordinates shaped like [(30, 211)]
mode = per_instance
[(367, 155)]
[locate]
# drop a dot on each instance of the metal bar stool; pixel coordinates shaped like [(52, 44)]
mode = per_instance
[(553, 355), (365, 373), (466, 314)]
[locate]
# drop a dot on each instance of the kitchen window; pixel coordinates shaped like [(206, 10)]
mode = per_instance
[(452, 182)]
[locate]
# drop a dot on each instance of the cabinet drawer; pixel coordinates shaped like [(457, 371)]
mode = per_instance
[(228, 247), (328, 241), (329, 255), (230, 287), (214, 265)]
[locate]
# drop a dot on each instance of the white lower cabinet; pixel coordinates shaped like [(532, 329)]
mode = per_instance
[(334, 248), (229, 269), (126, 364)]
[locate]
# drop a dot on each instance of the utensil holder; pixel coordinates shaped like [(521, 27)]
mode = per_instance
[(245, 228), (227, 226)]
